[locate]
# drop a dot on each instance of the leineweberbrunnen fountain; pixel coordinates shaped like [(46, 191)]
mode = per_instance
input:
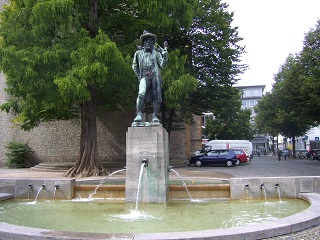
[(147, 160), (67, 208)]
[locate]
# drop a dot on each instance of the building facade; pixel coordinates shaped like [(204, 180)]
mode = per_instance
[(250, 96)]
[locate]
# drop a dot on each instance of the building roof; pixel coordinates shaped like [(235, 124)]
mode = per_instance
[(251, 86)]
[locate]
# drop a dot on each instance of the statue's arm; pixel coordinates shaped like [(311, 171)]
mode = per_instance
[(163, 56), (135, 65)]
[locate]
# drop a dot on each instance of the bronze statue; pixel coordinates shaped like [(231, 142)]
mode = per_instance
[(147, 63)]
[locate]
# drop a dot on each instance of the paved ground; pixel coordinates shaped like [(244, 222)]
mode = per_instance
[(265, 166)]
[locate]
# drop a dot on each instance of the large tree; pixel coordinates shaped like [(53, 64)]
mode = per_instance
[(212, 54), (310, 61), (62, 61), (234, 125), (215, 58), (283, 111)]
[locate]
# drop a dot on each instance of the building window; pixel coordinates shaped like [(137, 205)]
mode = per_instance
[(244, 104), (251, 103), (257, 93)]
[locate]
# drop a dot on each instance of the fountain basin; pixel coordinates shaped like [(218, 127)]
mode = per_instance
[(287, 225), (103, 216), (307, 188)]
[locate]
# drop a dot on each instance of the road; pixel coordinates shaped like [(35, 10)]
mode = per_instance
[(267, 166)]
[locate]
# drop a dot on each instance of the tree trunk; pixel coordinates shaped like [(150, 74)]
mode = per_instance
[(88, 163)]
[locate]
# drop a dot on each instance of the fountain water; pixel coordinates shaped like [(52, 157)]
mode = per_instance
[(42, 187), (264, 191), (30, 189), (144, 163), (246, 187), (183, 182), (104, 180), (278, 189), (56, 187), (120, 217)]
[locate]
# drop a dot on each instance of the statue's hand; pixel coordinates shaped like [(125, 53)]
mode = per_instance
[(165, 45)]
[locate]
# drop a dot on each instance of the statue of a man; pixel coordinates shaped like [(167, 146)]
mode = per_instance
[(147, 63)]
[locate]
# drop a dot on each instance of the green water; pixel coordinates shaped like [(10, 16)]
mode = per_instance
[(118, 217)]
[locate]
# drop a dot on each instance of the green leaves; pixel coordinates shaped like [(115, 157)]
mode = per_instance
[(165, 12), (17, 154), (236, 127), (177, 84)]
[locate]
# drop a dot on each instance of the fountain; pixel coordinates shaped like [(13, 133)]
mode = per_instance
[(30, 189), (148, 212), (104, 180), (143, 165), (278, 189), (246, 187), (42, 187), (183, 182), (56, 187), (147, 181), (264, 191)]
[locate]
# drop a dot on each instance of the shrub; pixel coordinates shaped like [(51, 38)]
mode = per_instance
[(17, 154)]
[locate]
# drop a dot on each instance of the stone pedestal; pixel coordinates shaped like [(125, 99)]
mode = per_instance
[(149, 143)]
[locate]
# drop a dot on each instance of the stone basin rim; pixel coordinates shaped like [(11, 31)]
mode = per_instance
[(294, 223)]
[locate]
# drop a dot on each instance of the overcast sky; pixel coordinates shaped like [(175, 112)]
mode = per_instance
[(272, 29)]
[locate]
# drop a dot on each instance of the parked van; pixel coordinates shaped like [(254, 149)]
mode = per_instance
[(227, 144)]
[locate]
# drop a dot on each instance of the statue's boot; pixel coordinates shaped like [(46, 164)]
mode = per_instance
[(140, 102), (156, 106)]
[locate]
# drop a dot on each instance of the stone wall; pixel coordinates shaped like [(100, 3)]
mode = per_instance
[(186, 141), (58, 141)]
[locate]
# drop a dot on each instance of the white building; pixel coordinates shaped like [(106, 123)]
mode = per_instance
[(310, 140), (250, 97)]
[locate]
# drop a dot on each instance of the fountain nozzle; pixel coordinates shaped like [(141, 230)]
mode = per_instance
[(169, 168), (246, 186), (145, 161), (277, 185), (30, 186), (43, 186), (261, 185), (56, 187)]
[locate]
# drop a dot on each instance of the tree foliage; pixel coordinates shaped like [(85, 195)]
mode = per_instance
[(310, 61), (211, 54), (65, 59), (177, 87), (62, 61), (289, 109), (237, 126), (215, 56)]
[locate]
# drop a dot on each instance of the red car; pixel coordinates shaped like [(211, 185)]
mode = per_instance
[(242, 155)]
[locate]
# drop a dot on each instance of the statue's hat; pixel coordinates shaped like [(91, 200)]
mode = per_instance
[(147, 34)]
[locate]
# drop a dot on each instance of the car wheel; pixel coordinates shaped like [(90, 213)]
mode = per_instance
[(237, 162), (198, 163), (229, 163)]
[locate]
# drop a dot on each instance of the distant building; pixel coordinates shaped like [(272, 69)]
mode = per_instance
[(250, 97), (311, 140)]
